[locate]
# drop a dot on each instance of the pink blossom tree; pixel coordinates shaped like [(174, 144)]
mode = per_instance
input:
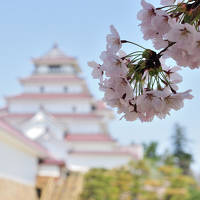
[(139, 84)]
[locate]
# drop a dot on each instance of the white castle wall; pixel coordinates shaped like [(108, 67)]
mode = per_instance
[(48, 88), (23, 107), (71, 107), (103, 161), (44, 69), (91, 146), (49, 170), (84, 127), (51, 106), (57, 149), (17, 165)]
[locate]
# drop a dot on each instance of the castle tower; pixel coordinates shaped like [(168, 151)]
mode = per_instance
[(56, 109)]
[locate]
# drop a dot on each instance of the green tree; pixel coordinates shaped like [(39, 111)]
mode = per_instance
[(98, 186), (183, 159), (168, 158), (140, 180), (122, 181), (194, 194), (150, 151), (155, 177)]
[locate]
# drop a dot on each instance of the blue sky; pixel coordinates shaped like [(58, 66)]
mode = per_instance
[(29, 29)]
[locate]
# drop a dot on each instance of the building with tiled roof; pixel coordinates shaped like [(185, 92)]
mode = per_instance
[(57, 111), (19, 163)]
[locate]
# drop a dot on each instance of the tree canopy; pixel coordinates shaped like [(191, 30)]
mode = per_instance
[(157, 177)]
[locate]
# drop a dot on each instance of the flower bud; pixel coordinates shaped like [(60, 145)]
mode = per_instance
[(149, 54)]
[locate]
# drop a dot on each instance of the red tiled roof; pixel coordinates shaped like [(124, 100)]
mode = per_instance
[(49, 96), (60, 60), (29, 115), (16, 115), (89, 137), (104, 153), (17, 134), (3, 109), (55, 55), (52, 161), (89, 116), (50, 78)]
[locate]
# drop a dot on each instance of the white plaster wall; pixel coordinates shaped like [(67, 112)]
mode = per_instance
[(31, 89), (57, 149), (84, 127), (75, 89), (49, 170), (42, 69), (104, 161), (53, 89), (24, 107), (48, 88), (40, 128), (68, 69), (90, 146), (54, 107), (17, 165), (68, 107), (64, 69), (56, 131)]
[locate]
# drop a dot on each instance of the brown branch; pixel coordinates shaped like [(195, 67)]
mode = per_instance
[(165, 49)]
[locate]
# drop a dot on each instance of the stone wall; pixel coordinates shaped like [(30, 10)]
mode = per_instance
[(11, 190)]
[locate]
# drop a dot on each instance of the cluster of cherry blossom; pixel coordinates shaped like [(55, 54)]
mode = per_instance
[(139, 84), (177, 26)]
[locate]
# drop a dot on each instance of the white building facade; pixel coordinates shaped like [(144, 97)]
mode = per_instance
[(19, 155), (57, 110)]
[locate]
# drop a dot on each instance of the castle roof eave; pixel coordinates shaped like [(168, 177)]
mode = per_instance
[(49, 96), (100, 137), (55, 115), (30, 145), (103, 153), (51, 79), (55, 56), (56, 61), (53, 161)]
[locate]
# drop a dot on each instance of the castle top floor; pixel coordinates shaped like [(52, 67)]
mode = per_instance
[(55, 62)]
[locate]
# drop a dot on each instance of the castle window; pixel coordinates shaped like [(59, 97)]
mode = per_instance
[(74, 109), (38, 192), (93, 107), (41, 89), (65, 134), (65, 89), (55, 68)]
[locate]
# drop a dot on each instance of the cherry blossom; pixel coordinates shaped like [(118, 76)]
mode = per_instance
[(97, 72), (139, 84), (154, 24), (164, 30), (175, 101), (182, 34), (146, 14), (167, 2), (113, 40), (113, 65)]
